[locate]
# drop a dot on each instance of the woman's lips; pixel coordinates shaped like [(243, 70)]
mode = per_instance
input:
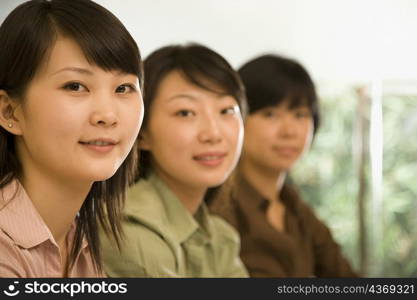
[(286, 151), (210, 159), (100, 145)]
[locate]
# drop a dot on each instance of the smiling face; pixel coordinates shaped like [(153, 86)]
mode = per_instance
[(76, 121), (276, 137), (194, 136)]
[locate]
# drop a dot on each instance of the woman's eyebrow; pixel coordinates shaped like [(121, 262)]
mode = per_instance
[(195, 98), (182, 96), (74, 69)]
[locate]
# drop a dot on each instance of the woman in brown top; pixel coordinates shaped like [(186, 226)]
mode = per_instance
[(281, 235)]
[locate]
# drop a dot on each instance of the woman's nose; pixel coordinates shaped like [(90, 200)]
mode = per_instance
[(104, 112), (210, 131)]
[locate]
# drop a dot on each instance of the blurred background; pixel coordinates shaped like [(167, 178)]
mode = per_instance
[(360, 174)]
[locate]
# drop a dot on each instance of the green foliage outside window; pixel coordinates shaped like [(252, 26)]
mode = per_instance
[(328, 179)]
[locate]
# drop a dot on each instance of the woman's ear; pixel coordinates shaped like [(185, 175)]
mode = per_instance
[(8, 119), (144, 141)]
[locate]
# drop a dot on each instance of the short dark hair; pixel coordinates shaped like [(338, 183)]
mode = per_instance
[(271, 79), (27, 36), (200, 66)]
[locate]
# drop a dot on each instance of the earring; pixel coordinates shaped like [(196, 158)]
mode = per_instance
[(10, 124)]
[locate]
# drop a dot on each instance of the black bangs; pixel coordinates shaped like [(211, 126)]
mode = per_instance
[(283, 91), (106, 43), (206, 69), (300, 95)]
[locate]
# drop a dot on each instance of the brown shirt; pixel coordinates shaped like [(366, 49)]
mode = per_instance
[(305, 248)]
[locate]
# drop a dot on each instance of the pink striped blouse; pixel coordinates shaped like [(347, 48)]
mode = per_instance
[(27, 247)]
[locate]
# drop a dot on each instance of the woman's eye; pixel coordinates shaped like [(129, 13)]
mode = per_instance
[(75, 87), (229, 111), (125, 88), (268, 114), (184, 113), (302, 115)]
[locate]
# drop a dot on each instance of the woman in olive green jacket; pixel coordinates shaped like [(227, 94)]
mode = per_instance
[(190, 142)]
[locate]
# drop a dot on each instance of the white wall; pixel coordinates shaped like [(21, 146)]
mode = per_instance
[(337, 40)]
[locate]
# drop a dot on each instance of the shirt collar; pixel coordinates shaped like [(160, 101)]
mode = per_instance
[(181, 222), (20, 220), (249, 197)]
